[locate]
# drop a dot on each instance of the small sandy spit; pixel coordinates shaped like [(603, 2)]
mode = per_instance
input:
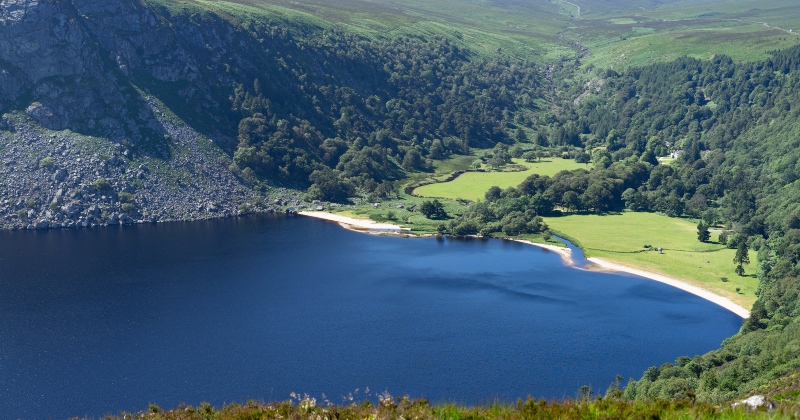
[(705, 294), (566, 253), (349, 222)]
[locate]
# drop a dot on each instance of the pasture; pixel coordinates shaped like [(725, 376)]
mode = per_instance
[(621, 238), (473, 185)]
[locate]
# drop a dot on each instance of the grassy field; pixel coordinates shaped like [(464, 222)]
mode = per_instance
[(616, 236), (473, 185)]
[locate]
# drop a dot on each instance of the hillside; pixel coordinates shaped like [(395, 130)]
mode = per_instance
[(160, 110)]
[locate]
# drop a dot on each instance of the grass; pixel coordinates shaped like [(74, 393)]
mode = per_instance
[(621, 237), (473, 185)]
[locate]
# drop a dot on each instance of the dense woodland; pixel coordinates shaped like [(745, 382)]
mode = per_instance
[(359, 111)]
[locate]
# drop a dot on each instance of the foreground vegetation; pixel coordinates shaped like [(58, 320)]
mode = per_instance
[(609, 407)]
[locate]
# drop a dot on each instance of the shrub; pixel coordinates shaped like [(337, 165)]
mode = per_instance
[(54, 206), (47, 163), (390, 215), (244, 208), (128, 208), (22, 215), (125, 197), (102, 184), (30, 203)]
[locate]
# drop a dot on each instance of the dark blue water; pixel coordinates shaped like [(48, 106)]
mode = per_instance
[(101, 320)]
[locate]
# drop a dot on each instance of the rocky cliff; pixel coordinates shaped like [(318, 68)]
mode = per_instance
[(83, 140)]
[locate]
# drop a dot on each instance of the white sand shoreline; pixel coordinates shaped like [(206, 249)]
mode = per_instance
[(364, 225), (697, 291), (351, 223), (565, 253)]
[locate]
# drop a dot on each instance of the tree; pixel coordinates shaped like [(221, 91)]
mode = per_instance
[(520, 135), (327, 186), (493, 193), (516, 152), (477, 163), (741, 257), (496, 162), (433, 210), (412, 159), (529, 156), (702, 232), (571, 200)]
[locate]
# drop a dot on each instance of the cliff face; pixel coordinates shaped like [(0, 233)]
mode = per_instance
[(75, 110), (72, 58)]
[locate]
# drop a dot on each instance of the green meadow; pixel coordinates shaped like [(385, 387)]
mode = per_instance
[(473, 185), (621, 237)]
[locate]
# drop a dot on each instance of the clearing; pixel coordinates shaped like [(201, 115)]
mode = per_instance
[(473, 185)]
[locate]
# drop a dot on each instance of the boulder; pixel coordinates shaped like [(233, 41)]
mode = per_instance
[(755, 401), (60, 175), (44, 224), (71, 208)]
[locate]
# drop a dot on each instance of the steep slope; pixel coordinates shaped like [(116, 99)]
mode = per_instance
[(177, 88)]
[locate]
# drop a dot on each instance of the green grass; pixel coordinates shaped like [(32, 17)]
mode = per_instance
[(473, 185), (616, 236)]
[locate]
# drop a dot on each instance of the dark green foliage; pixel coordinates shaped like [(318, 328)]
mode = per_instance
[(125, 197), (328, 186), (702, 232), (433, 210), (128, 208), (102, 184)]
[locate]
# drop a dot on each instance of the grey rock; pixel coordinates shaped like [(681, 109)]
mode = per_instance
[(60, 175), (71, 208), (44, 224)]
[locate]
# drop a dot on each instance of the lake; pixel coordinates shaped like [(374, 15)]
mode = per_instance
[(99, 320)]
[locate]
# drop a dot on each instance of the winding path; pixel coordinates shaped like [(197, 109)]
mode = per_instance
[(573, 4)]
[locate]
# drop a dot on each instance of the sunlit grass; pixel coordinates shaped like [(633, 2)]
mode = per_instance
[(473, 185), (621, 238)]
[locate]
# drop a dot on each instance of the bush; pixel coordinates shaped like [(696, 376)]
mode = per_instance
[(47, 163), (128, 208), (244, 208), (102, 184), (390, 215), (125, 197), (22, 215), (54, 206), (30, 203)]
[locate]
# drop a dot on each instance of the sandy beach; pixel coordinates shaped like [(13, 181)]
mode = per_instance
[(566, 253), (705, 294), (349, 222)]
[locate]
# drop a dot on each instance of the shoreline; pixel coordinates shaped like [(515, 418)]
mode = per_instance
[(363, 225), (564, 252), (677, 283), (351, 223)]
